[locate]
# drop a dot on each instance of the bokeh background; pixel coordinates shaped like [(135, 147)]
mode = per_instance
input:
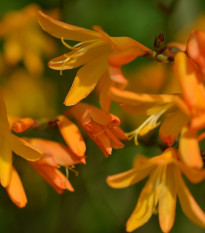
[(30, 88)]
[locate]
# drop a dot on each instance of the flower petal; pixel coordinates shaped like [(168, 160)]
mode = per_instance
[(188, 204), (61, 154), (146, 203), (167, 201), (71, 135), (16, 191), (130, 177), (190, 82), (3, 116), (86, 80), (172, 126), (54, 177), (5, 159), (66, 31), (189, 151), (194, 175), (131, 98), (24, 149)]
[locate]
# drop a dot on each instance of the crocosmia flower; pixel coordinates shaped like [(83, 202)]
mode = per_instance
[(10, 142), (160, 192), (94, 51)]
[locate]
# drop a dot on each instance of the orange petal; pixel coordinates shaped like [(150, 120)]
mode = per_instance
[(130, 177), (194, 175), (66, 31), (131, 98), (171, 126), (61, 154), (24, 149), (22, 124), (5, 159), (80, 57), (54, 177), (188, 204), (190, 82), (167, 201), (86, 80), (16, 191), (189, 151), (105, 100), (71, 135)]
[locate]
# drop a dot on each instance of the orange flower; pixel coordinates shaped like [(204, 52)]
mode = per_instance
[(16, 191), (161, 190), (9, 143), (23, 40), (102, 127), (92, 52), (55, 154)]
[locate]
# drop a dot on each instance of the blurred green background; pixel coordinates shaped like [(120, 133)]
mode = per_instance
[(94, 207)]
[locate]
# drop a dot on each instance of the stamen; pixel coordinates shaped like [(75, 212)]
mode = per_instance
[(67, 45), (151, 121), (97, 134), (71, 168)]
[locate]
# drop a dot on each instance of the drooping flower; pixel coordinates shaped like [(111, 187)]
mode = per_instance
[(182, 112), (165, 183), (55, 155), (93, 52), (102, 127), (8, 143)]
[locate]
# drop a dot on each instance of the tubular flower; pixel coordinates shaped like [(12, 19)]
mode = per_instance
[(93, 52), (193, 94), (9, 143), (155, 107), (102, 127), (16, 191), (55, 155), (165, 183)]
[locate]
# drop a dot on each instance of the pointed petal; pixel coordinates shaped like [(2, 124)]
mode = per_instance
[(189, 151), (171, 126), (194, 175), (131, 98), (130, 177), (86, 80), (190, 82), (105, 100), (5, 159), (3, 116), (66, 31), (147, 202), (167, 201), (54, 177), (81, 56), (16, 191), (24, 149), (188, 204), (71, 135), (61, 154)]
